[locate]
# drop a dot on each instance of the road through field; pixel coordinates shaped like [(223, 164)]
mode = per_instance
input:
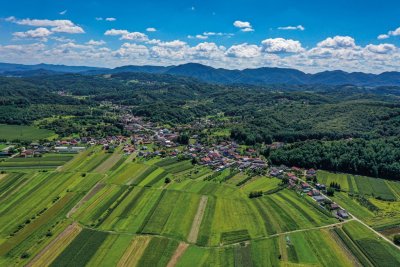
[(194, 231)]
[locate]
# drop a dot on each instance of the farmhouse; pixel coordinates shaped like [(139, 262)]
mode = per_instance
[(343, 214), (319, 198)]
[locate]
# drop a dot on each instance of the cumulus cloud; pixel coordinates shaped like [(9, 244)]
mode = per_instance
[(243, 51), (39, 33), (95, 43), (151, 29), (292, 28), (395, 32), (61, 26), (110, 19), (128, 50), (63, 12), (383, 36), (381, 48), (244, 26), (338, 42), (126, 35), (281, 45)]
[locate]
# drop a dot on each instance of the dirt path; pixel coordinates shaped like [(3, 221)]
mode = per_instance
[(88, 196), (108, 163), (3, 176), (178, 254), (194, 231), (47, 254), (345, 249), (134, 252)]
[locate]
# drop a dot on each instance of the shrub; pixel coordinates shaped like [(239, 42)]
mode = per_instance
[(396, 239)]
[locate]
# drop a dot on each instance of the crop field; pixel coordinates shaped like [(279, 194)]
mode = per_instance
[(102, 209), (49, 161), (23, 133), (362, 185), (261, 184), (377, 251), (375, 212)]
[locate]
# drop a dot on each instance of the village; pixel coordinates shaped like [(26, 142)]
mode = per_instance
[(148, 140)]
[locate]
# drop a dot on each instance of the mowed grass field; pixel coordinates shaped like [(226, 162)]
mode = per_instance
[(361, 185), (47, 161), (103, 209), (24, 133)]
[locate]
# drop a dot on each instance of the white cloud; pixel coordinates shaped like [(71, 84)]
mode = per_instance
[(243, 51), (39, 33), (383, 36), (338, 42), (126, 35), (128, 50), (218, 34), (62, 26), (98, 18), (151, 29), (395, 32), (110, 19), (292, 28), (280, 45), (63, 12), (198, 36), (336, 53), (381, 48), (96, 43), (245, 26)]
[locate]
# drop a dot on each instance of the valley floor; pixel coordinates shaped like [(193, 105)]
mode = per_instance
[(109, 209)]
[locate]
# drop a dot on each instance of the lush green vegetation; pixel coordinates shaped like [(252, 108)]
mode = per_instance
[(67, 218), (23, 133)]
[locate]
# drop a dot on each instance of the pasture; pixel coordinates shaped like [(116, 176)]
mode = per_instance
[(24, 133), (47, 161)]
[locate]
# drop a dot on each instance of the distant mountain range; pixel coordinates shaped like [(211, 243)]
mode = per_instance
[(258, 76)]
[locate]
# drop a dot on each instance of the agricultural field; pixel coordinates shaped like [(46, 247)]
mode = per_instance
[(375, 201), (361, 185), (24, 133), (106, 209), (47, 161)]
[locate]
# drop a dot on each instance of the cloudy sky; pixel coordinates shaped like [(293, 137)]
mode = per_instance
[(312, 36)]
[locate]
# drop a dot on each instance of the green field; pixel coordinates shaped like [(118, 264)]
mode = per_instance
[(102, 209), (23, 133), (47, 161)]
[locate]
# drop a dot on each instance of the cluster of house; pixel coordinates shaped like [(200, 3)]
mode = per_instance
[(226, 154), (316, 192)]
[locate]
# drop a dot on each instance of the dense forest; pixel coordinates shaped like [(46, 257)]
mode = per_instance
[(340, 128)]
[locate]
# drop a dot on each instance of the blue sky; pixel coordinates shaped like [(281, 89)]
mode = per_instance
[(308, 35)]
